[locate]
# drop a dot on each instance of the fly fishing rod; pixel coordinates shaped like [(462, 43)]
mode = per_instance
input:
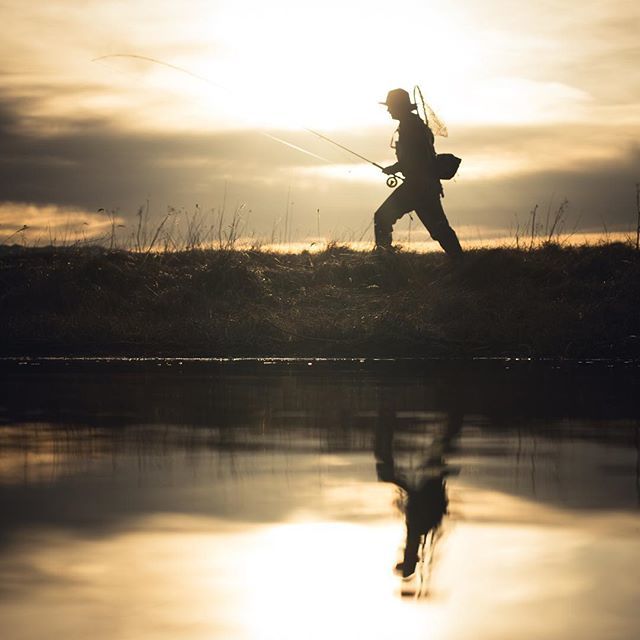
[(391, 181)]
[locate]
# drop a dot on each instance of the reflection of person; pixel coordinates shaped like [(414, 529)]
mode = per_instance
[(423, 485), (421, 190)]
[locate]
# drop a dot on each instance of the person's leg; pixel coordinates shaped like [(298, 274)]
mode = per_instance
[(433, 217), (390, 211)]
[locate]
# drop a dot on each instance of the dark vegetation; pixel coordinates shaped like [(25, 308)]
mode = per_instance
[(550, 301)]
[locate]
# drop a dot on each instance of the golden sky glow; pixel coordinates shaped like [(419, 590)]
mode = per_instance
[(541, 101)]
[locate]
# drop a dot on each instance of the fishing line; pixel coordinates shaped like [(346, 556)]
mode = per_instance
[(175, 67), (295, 146), (392, 180), (213, 84)]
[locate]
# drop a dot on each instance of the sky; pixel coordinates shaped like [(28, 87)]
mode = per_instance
[(541, 101)]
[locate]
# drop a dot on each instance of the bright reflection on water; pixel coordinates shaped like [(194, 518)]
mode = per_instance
[(329, 501)]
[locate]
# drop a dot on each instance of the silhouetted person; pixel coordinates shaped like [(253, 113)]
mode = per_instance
[(421, 190), (424, 487)]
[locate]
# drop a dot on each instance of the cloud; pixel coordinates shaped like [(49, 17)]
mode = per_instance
[(97, 166), (75, 166), (52, 224), (601, 196)]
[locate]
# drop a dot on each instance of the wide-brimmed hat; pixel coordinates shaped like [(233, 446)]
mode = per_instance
[(399, 98)]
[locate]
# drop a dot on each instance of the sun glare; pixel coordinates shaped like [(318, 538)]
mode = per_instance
[(338, 581), (292, 68)]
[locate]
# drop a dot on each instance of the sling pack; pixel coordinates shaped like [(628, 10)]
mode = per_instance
[(447, 165)]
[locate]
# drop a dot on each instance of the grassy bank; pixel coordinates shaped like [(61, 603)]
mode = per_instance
[(549, 302)]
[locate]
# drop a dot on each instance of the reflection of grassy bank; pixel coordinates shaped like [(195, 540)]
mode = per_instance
[(548, 302)]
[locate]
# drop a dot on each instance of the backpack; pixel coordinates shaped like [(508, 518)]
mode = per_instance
[(447, 165)]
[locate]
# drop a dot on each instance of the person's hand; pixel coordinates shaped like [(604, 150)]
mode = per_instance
[(390, 170)]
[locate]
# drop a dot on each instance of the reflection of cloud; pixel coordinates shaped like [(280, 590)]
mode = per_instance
[(168, 574), (485, 506), (73, 480)]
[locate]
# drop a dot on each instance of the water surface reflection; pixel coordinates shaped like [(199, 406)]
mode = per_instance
[(275, 502)]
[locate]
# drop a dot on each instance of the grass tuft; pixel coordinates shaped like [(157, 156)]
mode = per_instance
[(546, 301)]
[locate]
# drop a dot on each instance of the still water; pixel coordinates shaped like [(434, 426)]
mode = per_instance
[(282, 500)]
